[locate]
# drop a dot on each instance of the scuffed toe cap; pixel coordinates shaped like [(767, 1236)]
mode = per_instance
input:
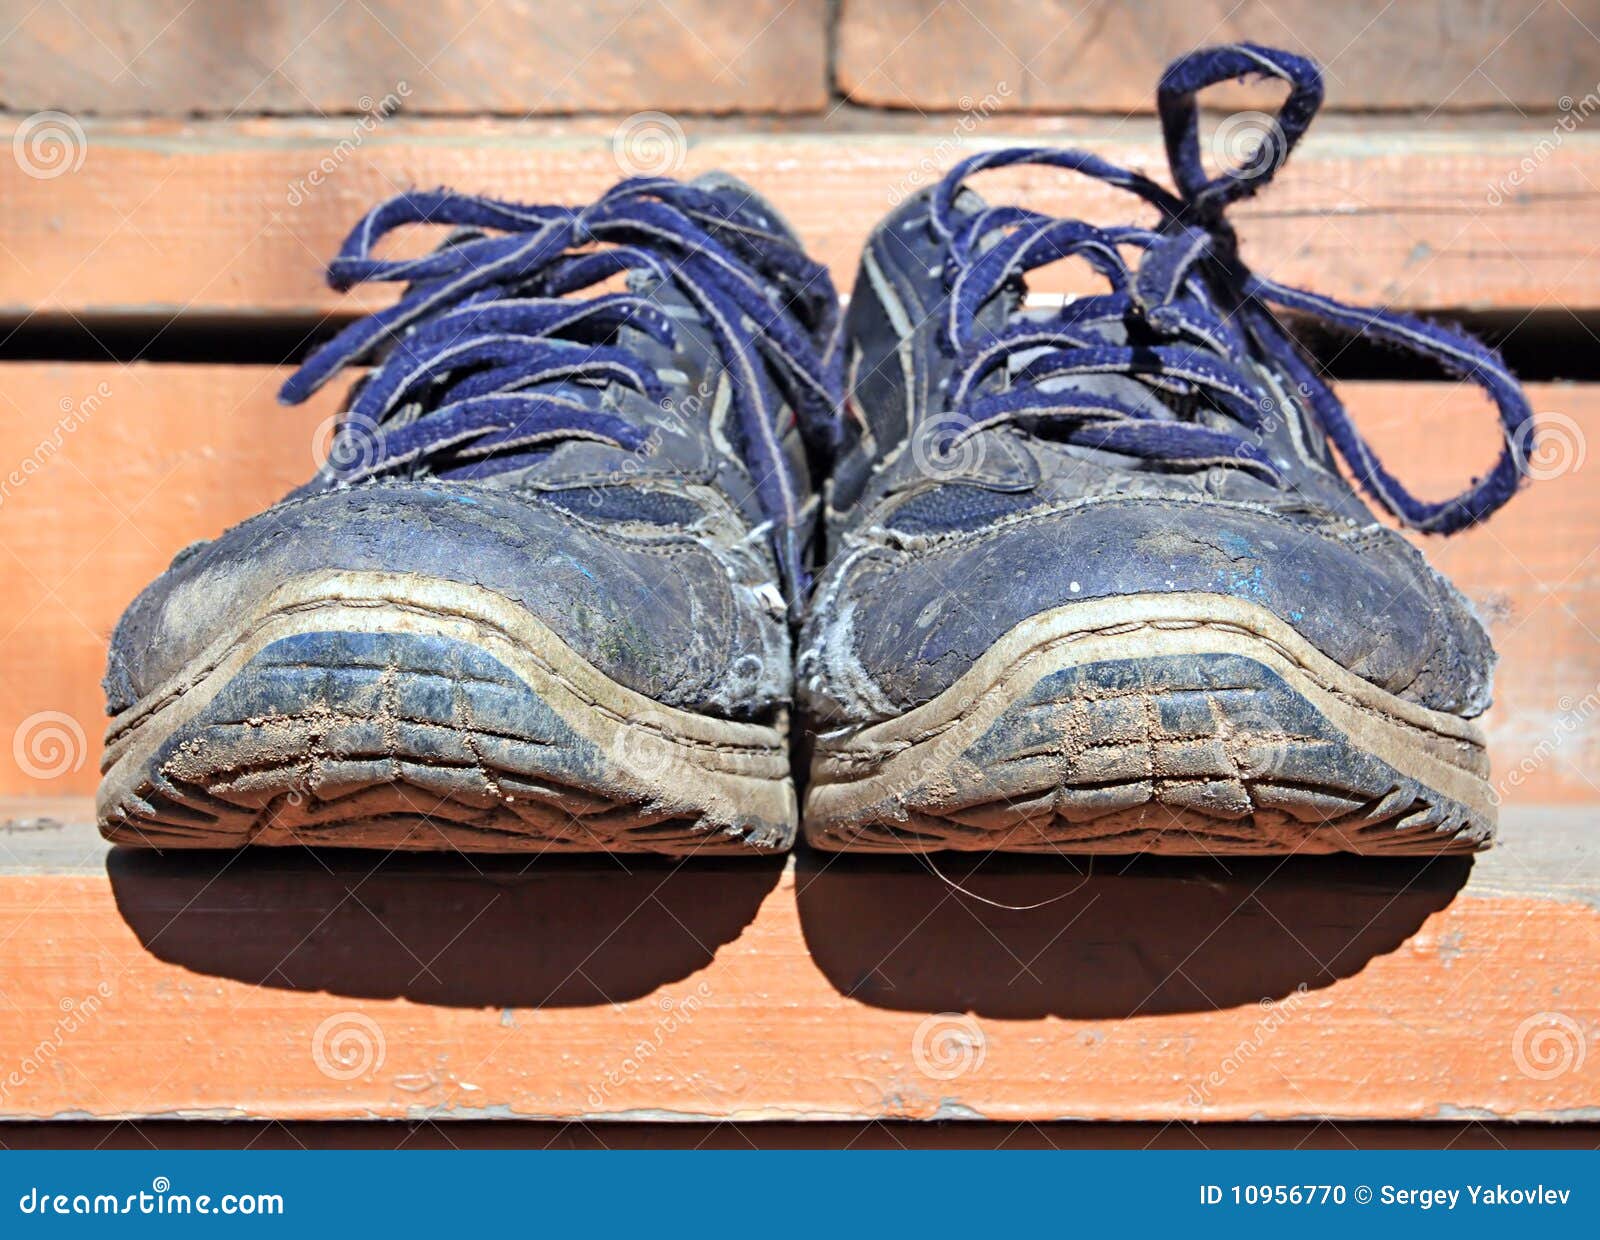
[(895, 621), (663, 613)]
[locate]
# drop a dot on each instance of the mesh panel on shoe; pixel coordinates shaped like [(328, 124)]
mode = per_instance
[(955, 506)]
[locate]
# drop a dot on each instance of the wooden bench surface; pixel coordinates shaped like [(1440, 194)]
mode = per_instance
[(333, 986), (298, 986), (166, 218), (140, 57)]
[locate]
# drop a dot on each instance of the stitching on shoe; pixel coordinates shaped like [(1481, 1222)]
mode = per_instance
[(911, 545)]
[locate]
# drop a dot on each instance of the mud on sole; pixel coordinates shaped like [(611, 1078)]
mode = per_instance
[(1176, 724), (390, 711)]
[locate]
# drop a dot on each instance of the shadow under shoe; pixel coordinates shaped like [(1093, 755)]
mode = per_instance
[(1117, 940), (487, 932)]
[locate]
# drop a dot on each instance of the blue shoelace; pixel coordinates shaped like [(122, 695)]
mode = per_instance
[(489, 317), (1206, 312)]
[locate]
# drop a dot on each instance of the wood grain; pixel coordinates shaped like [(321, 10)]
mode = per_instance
[(237, 220), (1065, 55), (238, 57), (166, 454), (344, 987)]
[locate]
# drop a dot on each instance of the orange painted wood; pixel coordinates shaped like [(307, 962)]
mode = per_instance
[(224, 219), (783, 1135), (1067, 56), (348, 987), (237, 57), (110, 471), (164, 455)]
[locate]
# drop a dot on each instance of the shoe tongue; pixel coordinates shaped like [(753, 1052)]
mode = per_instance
[(1155, 403), (688, 373), (686, 370), (1012, 304), (677, 429)]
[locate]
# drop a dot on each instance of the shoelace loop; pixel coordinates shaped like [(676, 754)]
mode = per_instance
[(489, 317), (1210, 314)]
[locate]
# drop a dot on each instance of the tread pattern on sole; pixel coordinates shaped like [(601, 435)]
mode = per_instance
[(1194, 754), (408, 741)]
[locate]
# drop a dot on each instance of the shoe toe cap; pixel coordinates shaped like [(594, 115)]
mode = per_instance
[(662, 612), (894, 625)]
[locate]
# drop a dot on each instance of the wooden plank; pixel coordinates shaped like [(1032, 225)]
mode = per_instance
[(1068, 56), (346, 987), (113, 469), (161, 219), (152, 457), (168, 57)]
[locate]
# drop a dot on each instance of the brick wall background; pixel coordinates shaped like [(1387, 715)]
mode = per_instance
[(791, 58)]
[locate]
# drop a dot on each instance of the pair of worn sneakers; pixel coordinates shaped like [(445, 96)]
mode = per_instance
[(1090, 579)]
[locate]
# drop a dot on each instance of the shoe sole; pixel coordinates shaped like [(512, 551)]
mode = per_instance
[(1180, 724), (378, 710)]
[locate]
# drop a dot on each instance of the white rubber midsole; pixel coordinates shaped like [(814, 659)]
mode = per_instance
[(1438, 749), (721, 762)]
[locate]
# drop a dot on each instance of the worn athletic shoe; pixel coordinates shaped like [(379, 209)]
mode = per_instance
[(1095, 583), (537, 598)]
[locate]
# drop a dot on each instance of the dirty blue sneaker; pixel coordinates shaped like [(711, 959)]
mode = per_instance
[(1096, 583), (538, 597)]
